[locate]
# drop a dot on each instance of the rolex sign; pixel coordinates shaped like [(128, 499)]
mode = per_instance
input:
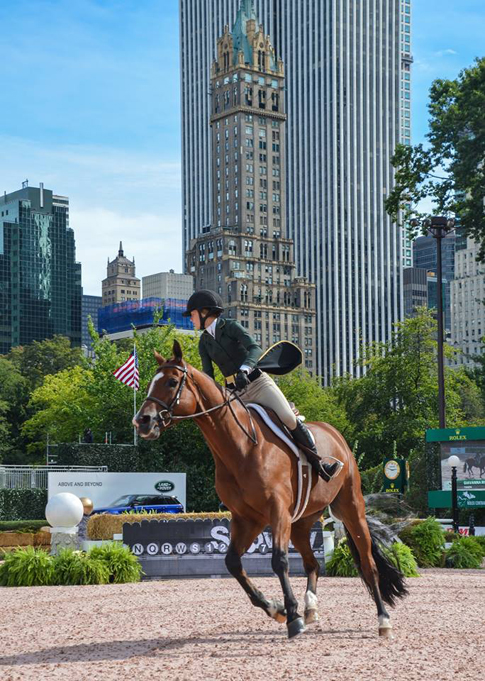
[(395, 475)]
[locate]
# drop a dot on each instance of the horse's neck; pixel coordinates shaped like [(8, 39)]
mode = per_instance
[(219, 427)]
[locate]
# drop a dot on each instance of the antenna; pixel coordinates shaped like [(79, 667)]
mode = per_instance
[(25, 184)]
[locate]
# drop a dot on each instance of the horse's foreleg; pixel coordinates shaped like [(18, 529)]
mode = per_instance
[(300, 536), (243, 533), (281, 526)]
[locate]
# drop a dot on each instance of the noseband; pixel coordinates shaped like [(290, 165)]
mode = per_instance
[(165, 416)]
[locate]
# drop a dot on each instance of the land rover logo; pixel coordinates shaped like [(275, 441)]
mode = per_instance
[(164, 486)]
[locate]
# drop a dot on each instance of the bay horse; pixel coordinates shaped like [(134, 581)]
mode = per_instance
[(256, 478)]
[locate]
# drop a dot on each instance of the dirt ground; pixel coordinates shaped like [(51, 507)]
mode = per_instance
[(207, 629)]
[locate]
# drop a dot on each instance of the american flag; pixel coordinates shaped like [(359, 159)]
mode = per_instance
[(128, 373)]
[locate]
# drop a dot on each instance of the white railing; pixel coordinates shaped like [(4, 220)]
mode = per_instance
[(35, 477)]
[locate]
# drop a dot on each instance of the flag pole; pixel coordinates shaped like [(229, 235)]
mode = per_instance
[(134, 403)]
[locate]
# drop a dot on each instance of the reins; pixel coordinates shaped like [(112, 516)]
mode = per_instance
[(165, 416)]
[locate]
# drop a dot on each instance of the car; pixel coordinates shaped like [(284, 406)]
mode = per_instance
[(143, 503)]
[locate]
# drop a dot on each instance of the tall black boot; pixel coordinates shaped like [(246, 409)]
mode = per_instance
[(304, 440)]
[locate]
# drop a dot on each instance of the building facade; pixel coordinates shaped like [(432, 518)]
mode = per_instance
[(89, 309), (467, 308), (246, 255), (40, 280), (168, 285), (425, 257), (348, 100), (121, 282)]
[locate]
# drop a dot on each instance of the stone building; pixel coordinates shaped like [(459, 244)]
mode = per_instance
[(246, 255), (121, 283)]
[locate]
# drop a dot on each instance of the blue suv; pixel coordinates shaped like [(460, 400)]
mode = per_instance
[(143, 503)]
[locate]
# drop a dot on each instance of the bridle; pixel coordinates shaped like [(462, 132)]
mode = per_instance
[(166, 416)]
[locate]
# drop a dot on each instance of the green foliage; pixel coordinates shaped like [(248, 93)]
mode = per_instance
[(74, 567), (401, 556), (456, 143), (13, 402), (481, 542), (427, 542), (122, 564), (372, 479), (464, 553), (22, 504), (44, 358), (341, 564), (118, 458), (27, 567), (396, 400), (21, 525)]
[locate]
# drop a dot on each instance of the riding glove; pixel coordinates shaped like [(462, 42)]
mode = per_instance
[(242, 380)]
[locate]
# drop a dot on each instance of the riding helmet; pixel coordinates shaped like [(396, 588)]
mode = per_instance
[(204, 299)]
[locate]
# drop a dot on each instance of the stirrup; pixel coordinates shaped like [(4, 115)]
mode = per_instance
[(331, 469)]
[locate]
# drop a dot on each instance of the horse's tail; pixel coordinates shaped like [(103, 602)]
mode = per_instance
[(391, 580), (464, 468)]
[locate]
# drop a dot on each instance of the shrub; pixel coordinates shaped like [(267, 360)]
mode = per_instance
[(123, 566), (22, 504), (463, 554), (27, 567), (402, 557), (481, 542), (341, 564), (427, 541), (74, 567), (372, 479), (21, 525)]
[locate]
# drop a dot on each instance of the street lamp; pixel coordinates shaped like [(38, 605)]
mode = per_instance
[(439, 227), (454, 461)]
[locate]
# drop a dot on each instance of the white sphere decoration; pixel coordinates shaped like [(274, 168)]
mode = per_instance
[(453, 460), (64, 510)]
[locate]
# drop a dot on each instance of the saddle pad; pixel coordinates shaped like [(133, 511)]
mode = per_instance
[(276, 430)]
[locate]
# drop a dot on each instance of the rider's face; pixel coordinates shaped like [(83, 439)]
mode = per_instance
[(195, 318)]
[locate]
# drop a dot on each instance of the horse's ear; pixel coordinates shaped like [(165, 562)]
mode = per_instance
[(159, 358), (177, 350)]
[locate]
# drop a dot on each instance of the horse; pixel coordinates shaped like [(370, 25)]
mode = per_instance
[(256, 479), (471, 463)]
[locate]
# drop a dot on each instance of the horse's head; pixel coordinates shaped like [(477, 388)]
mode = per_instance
[(168, 395)]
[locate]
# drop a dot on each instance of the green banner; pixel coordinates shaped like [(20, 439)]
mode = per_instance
[(455, 434), (466, 499)]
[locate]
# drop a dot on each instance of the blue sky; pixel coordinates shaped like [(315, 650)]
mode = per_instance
[(90, 105)]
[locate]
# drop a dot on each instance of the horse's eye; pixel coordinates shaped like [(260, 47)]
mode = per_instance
[(172, 383)]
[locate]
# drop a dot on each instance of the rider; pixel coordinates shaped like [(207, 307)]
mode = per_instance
[(226, 343)]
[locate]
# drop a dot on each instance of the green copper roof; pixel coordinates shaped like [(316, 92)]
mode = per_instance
[(245, 12)]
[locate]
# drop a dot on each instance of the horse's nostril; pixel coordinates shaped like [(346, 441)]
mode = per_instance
[(144, 420)]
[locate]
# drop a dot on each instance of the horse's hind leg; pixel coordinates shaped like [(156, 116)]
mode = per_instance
[(300, 536), (243, 533)]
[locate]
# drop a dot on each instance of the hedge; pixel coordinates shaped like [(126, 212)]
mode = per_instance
[(22, 504), (105, 525), (118, 458)]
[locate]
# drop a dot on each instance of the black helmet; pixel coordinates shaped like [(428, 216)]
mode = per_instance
[(204, 300)]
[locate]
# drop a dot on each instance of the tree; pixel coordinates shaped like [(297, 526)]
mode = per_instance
[(44, 358), (13, 404), (451, 169), (397, 399)]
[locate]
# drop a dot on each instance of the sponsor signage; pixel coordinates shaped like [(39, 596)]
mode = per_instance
[(198, 547), (396, 474), (468, 444), (106, 488), (466, 499)]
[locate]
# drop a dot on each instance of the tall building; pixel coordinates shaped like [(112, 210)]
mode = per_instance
[(121, 283), (246, 254), (90, 307), (467, 308), (348, 71), (168, 285), (40, 280), (425, 256)]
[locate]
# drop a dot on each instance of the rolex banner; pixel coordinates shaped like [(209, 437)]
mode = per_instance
[(181, 548)]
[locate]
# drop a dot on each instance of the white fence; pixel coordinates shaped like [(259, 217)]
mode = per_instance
[(35, 477)]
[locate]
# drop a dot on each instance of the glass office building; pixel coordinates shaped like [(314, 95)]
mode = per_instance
[(348, 102), (40, 280)]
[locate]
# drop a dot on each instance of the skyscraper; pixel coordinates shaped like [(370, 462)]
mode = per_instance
[(348, 105), (120, 283), (40, 280)]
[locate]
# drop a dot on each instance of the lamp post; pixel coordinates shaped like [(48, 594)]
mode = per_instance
[(439, 227), (454, 462)]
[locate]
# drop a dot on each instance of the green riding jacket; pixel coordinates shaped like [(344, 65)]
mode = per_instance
[(232, 347)]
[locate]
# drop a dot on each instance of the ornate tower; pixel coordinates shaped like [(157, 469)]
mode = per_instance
[(121, 283), (246, 254)]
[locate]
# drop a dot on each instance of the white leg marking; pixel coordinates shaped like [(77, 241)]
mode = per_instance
[(311, 601)]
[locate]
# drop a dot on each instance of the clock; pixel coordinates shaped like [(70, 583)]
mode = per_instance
[(392, 470)]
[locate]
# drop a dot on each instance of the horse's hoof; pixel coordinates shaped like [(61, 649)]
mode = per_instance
[(311, 616), (386, 632), (296, 627)]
